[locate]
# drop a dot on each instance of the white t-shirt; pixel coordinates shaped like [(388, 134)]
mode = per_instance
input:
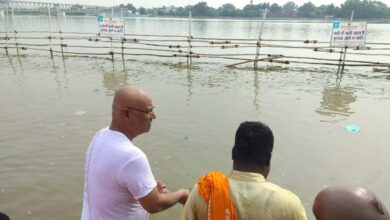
[(117, 173)]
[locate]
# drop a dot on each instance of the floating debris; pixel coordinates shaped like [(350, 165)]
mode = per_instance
[(352, 128), (79, 113)]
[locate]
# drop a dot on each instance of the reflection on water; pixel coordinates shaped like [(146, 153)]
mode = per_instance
[(201, 27), (256, 90), (189, 78), (336, 101), (113, 80)]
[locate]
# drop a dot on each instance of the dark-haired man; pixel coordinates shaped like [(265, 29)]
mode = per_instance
[(348, 203), (3, 216), (245, 193)]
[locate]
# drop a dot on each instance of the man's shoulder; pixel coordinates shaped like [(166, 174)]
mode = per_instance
[(286, 203), (283, 194), (116, 144)]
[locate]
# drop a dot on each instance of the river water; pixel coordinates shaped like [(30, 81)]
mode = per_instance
[(51, 108)]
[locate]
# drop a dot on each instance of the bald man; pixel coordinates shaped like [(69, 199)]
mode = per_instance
[(119, 183), (348, 203)]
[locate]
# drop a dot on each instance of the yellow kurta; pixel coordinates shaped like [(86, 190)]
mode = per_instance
[(253, 198)]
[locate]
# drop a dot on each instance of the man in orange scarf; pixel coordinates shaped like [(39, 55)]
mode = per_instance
[(244, 194)]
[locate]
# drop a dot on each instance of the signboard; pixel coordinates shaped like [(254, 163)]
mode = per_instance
[(111, 27), (350, 34)]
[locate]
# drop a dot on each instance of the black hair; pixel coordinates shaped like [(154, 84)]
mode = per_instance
[(3, 216), (253, 144)]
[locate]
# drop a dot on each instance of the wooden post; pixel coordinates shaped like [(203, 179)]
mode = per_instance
[(112, 50), (340, 59), (123, 39), (189, 53), (59, 26), (50, 36), (123, 54), (16, 38), (259, 38), (345, 48), (6, 30)]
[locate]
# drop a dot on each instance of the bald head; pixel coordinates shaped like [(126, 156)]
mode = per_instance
[(128, 96), (132, 112), (348, 203)]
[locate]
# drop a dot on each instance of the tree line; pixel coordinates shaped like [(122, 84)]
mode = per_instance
[(363, 9)]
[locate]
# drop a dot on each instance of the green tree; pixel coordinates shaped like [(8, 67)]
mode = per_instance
[(329, 10), (227, 10), (376, 9), (131, 7), (363, 9), (307, 10), (161, 11), (181, 12), (200, 9), (253, 10), (352, 5), (142, 11), (275, 10), (289, 9), (250, 11)]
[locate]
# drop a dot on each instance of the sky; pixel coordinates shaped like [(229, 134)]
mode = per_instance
[(178, 3)]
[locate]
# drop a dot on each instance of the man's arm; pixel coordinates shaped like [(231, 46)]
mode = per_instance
[(160, 198), (195, 207)]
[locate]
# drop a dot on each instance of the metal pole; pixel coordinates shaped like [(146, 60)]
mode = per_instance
[(189, 59), (345, 49), (13, 19), (259, 38), (51, 50)]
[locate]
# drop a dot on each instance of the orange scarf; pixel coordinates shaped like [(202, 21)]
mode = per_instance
[(214, 189)]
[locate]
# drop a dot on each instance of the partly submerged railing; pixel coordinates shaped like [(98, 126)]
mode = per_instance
[(236, 51)]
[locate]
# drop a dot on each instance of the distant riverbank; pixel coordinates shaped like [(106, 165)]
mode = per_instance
[(270, 19)]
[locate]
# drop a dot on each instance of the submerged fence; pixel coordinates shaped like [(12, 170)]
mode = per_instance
[(231, 51)]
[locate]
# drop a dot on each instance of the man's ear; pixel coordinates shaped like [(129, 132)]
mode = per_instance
[(268, 161), (379, 206)]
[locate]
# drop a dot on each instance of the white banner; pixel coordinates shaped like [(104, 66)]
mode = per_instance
[(350, 34), (111, 27)]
